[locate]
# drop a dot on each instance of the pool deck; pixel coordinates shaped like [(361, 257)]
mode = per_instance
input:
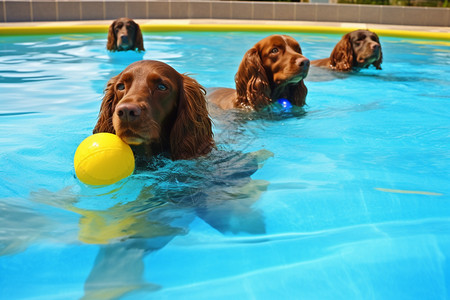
[(166, 25), (225, 22)]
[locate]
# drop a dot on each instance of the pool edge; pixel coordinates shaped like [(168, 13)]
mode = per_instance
[(61, 28)]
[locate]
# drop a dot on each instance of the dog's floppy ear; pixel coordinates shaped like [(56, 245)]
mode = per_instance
[(298, 94), (377, 64), (104, 123), (191, 135), (252, 86), (111, 44), (341, 57), (139, 42)]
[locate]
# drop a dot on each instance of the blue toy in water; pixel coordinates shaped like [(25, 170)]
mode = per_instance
[(285, 103)]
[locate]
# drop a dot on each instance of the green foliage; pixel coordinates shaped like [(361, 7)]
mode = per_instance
[(432, 3)]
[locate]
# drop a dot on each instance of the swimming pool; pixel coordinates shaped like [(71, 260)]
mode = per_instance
[(347, 200)]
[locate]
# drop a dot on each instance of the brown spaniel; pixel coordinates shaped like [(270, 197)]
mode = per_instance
[(274, 68), (356, 50), (125, 34), (157, 110)]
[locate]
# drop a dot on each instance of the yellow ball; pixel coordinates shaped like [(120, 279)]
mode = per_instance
[(103, 158)]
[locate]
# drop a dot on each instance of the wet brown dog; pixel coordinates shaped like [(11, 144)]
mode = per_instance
[(125, 34), (273, 68), (157, 110), (356, 50)]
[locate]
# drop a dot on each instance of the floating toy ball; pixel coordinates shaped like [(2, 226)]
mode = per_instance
[(285, 103), (103, 158)]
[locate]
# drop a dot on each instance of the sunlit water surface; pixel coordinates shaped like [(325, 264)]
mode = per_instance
[(348, 199)]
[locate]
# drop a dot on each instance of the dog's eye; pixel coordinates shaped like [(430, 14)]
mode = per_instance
[(119, 26), (274, 50), (162, 87), (121, 86)]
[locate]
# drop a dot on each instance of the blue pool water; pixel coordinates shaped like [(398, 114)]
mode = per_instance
[(346, 200)]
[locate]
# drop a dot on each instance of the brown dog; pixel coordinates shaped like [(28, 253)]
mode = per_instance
[(125, 34), (157, 110), (273, 68), (356, 50)]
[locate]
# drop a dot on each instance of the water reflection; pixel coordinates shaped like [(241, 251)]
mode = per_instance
[(152, 207), (23, 223)]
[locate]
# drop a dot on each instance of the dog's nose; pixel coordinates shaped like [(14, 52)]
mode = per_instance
[(124, 39), (375, 46), (302, 62), (128, 112)]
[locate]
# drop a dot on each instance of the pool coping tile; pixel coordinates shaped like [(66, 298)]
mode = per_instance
[(18, 11), (44, 10), (306, 12), (158, 10), (221, 10), (264, 10), (284, 11), (392, 15), (200, 10), (137, 9), (92, 10), (115, 10), (370, 14), (179, 9), (327, 12), (242, 10), (349, 13), (69, 10), (217, 11)]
